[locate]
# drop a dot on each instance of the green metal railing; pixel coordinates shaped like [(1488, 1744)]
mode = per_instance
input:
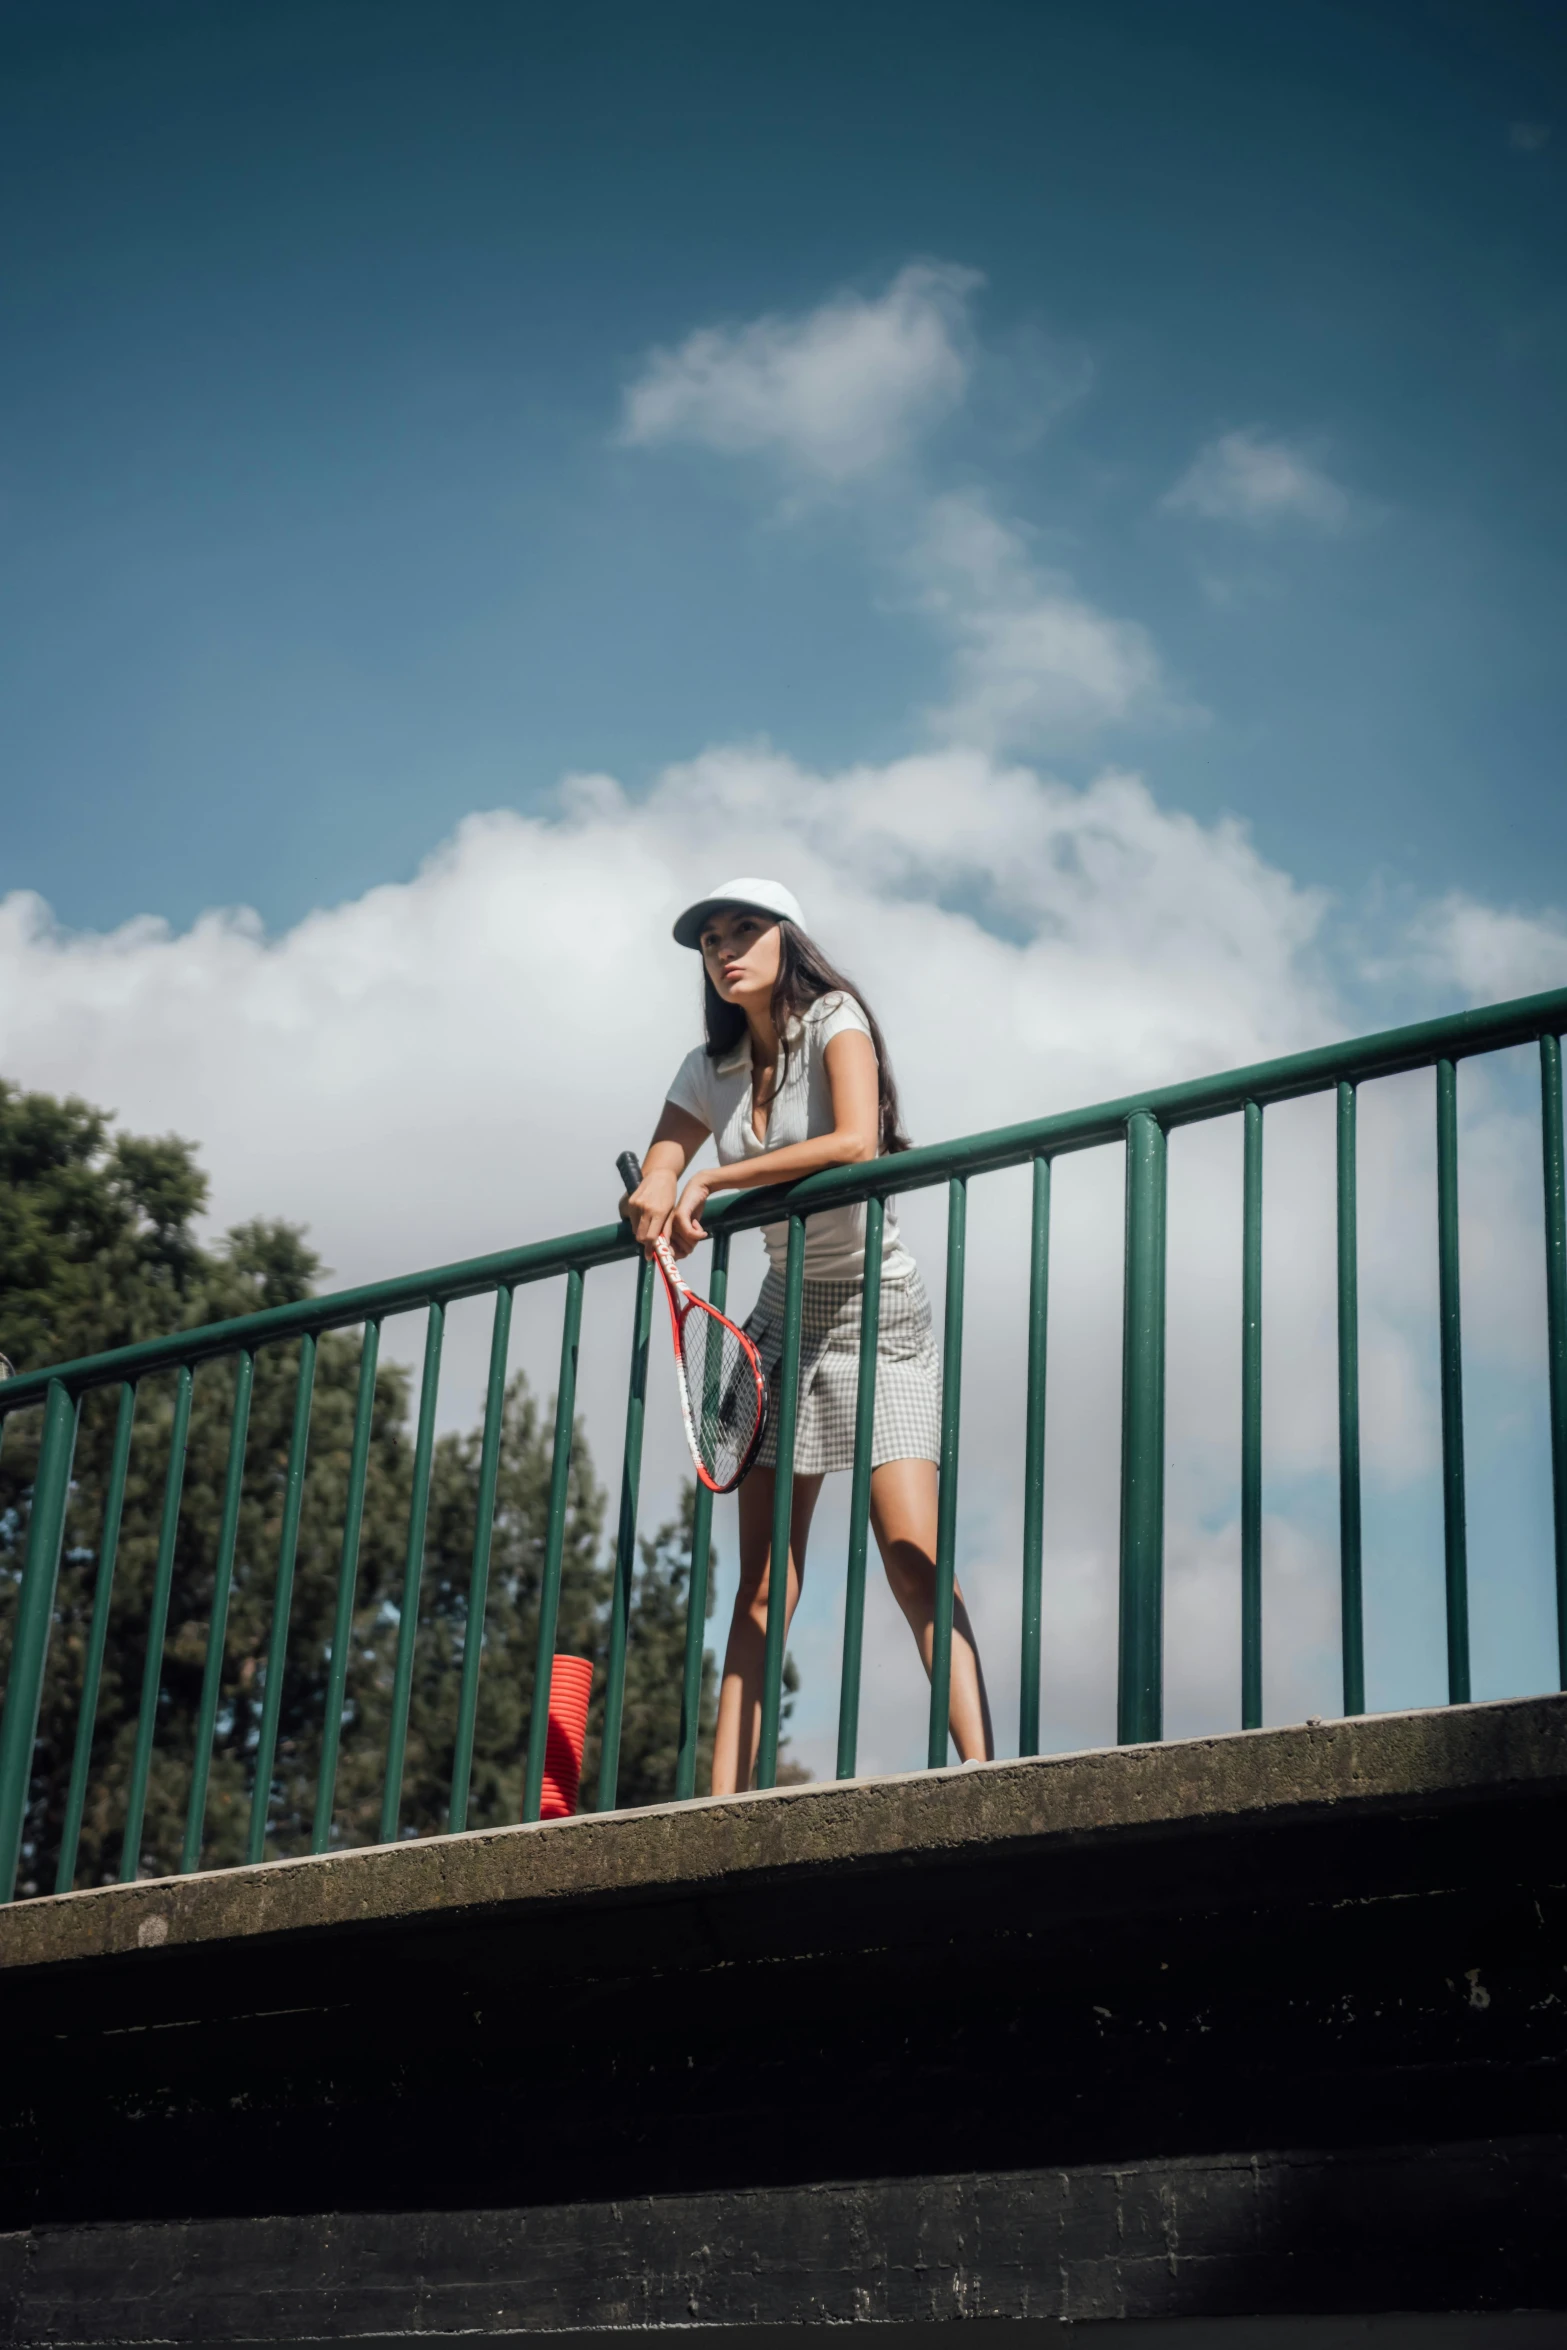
[(1140, 1122)]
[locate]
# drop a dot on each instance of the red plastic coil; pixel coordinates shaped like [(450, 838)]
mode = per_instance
[(571, 1684)]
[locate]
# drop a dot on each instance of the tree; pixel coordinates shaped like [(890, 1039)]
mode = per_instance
[(98, 1248)]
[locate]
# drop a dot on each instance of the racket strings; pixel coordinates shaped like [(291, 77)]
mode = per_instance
[(721, 1386)]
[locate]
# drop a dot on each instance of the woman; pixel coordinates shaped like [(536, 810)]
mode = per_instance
[(794, 1077)]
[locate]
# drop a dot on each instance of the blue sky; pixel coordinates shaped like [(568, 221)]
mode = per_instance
[(315, 532)]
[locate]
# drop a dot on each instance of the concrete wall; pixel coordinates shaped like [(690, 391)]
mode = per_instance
[(1251, 2027)]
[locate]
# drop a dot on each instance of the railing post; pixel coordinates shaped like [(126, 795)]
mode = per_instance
[(347, 1579), (786, 1397), (282, 1599), (157, 1629), (217, 1628), (554, 1544), (479, 1573), (696, 1586), (1251, 1423), (860, 1493), (626, 1538), (1556, 1315), (1034, 1463), (413, 1575), (1352, 1638), (97, 1640), (1455, 1530), (34, 1615), (947, 1487), (1140, 1708)]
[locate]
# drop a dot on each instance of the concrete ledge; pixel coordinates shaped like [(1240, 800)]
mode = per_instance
[(1446, 1756), (1396, 2228)]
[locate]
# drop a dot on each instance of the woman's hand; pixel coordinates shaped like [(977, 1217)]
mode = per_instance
[(649, 1209), (685, 1230)]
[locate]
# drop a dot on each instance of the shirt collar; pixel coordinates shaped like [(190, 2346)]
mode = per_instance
[(738, 1063)]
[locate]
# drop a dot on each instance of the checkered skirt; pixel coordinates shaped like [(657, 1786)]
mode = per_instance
[(908, 1373)]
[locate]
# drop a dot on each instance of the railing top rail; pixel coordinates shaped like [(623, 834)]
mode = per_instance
[(1387, 1054), (341, 1309)]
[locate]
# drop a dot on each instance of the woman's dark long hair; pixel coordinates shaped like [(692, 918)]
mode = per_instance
[(804, 976)]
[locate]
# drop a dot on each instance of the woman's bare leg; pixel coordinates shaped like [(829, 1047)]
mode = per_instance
[(903, 1516), (739, 1728)]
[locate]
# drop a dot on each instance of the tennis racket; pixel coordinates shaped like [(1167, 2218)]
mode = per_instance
[(723, 1389)]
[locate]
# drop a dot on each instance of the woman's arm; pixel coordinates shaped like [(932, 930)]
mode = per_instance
[(856, 1121), (676, 1140)]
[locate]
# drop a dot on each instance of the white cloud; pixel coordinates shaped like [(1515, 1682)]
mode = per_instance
[(1250, 478), (1034, 662), (449, 1066), (1492, 953), (836, 392)]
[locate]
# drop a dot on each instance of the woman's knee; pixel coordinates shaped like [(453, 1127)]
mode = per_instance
[(752, 1587), (756, 1582), (910, 1572)]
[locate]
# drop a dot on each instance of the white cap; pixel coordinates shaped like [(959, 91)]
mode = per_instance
[(762, 897)]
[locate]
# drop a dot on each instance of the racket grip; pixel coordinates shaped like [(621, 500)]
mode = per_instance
[(629, 1168)]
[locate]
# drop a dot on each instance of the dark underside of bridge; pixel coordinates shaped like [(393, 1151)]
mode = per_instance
[(1269, 2029)]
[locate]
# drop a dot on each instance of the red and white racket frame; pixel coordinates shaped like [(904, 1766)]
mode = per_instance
[(683, 1300)]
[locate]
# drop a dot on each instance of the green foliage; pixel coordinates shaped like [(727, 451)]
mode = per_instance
[(98, 1248), (95, 1241)]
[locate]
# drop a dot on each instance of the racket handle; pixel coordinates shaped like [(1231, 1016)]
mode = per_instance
[(629, 1168)]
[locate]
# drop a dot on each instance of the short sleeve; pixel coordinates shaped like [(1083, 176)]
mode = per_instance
[(840, 1015), (692, 1088)]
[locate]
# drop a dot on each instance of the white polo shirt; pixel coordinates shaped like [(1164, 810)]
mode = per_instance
[(719, 1093)]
